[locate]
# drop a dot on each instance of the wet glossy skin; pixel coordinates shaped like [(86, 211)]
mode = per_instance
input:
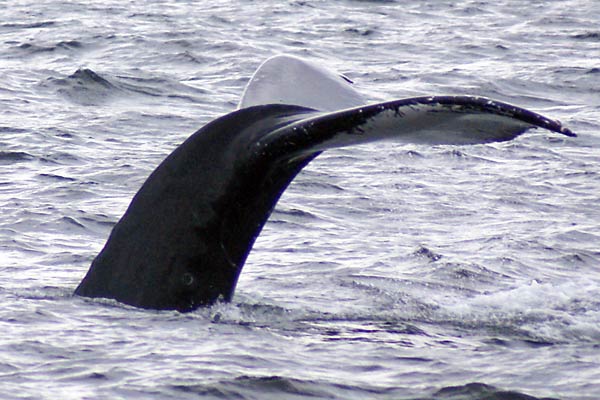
[(184, 239)]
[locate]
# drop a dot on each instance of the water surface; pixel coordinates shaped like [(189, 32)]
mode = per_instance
[(386, 271)]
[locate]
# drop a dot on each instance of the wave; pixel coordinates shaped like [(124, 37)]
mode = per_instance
[(31, 48), (31, 25), (591, 36), (275, 387), (11, 157), (87, 87)]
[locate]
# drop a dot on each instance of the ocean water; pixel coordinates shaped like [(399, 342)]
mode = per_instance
[(387, 271)]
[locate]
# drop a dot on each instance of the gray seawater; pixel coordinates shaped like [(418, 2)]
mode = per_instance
[(386, 271)]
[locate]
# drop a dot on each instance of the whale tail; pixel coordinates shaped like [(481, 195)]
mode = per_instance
[(185, 236)]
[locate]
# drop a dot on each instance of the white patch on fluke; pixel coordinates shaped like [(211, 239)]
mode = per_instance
[(286, 79)]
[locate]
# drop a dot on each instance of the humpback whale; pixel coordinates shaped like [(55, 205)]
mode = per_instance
[(185, 236)]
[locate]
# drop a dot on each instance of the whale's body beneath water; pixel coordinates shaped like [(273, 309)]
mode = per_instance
[(184, 239)]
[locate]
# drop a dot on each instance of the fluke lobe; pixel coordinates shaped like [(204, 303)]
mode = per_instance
[(184, 239)]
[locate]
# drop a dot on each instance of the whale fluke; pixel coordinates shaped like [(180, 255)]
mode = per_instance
[(184, 238)]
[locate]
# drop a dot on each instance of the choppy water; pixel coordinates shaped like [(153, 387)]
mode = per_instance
[(386, 271)]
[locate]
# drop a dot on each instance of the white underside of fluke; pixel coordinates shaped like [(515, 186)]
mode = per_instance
[(285, 79), (342, 117)]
